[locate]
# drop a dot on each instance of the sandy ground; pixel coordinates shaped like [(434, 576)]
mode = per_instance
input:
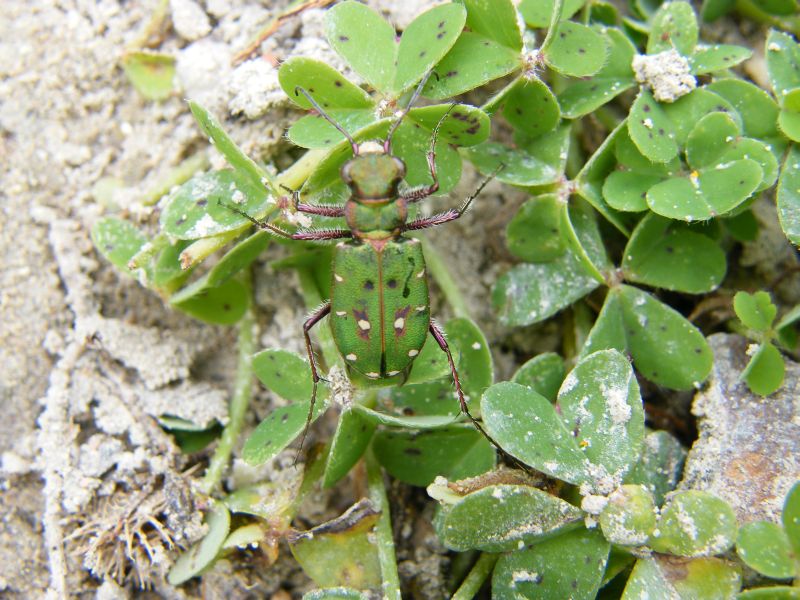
[(89, 358)]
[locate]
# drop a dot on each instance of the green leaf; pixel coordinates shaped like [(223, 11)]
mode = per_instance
[(408, 422), (694, 523), (365, 40), (200, 207), (627, 190), (756, 107), (660, 339), (570, 565), (268, 500), (118, 241), (585, 96), (714, 9), (425, 42), (671, 578), (650, 129), (543, 374), (759, 152), (629, 157), (709, 139), (473, 61), (790, 517), (499, 518), (430, 364), (718, 57), (534, 161), (496, 20), (591, 177), (204, 552), (538, 13), (325, 84), (629, 517), (599, 402), (660, 465), (341, 552), (278, 430), (764, 373), (667, 254), (576, 50), (702, 195), (418, 457), (475, 367), (526, 426), (532, 108), (789, 119), (284, 373), (783, 58), (464, 125), (151, 73), (687, 110), (529, 293), (756, 311), (788, 196), (236, 259), (201, 295), (241, 163), (314, 131), (349, 442), (534, 234), (222, 305), (674, 25), (765, 547)]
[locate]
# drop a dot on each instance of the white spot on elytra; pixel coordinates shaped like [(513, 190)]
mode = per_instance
[(338, 278), (392, 373), (421, 308), (364, 324), (373, 375), (421, 274), (340, 313), (351, 356), (476, 346), (413, 353), (399, 323)]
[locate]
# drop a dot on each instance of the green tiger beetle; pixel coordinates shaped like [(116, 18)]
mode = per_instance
[(379, 308)]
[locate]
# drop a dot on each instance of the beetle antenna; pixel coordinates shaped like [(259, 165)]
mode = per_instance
[(298, 90), (387, 145)]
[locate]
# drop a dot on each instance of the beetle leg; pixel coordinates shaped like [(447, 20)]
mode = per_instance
[(312, 320), (312, 235), (423, 192), (313, 209), (450, 215), (438, 335)]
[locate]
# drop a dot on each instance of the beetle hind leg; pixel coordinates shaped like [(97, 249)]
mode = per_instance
[(312, 320), (438, 335)]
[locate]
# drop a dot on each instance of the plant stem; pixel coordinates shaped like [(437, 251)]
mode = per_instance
[(239, 403), (578, 249), (473, 582), (383, 529), (444, 279), (178, 175)]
